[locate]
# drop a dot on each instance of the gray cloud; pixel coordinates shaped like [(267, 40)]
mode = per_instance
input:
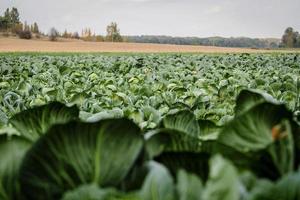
[(253, 18)]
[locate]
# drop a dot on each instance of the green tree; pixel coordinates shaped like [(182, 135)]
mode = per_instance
[(289, 38), (297, 43), (14, 16), (7, 15), (35, 28), (10, 21), (6, 20), (4, 23), (113, 33)]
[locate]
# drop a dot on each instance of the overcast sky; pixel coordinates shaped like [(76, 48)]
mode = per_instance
[(251, 18)]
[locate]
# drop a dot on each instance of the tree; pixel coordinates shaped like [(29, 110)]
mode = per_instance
[(10, 21), (35, 28), (26, 26), (289, 39), (298, 41), (7, 17), (76, 35), (4, 23), (86, 33), (18, 28), (14, 16), (65, 34), (53, 34), (89, 32), (113, 33)]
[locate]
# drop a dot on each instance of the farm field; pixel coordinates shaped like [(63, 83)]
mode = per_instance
[(149, 126), (71, 45)]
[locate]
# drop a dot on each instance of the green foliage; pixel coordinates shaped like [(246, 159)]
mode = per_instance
[(208, 41), (4, 23), (35, 122), (223, 181), (130, 129), (182, 121), (113, 33), (90, 192), (158, 184), (160, 85), (10, 19), (12, 151), (252, 131), (290, 38), (79, 153)]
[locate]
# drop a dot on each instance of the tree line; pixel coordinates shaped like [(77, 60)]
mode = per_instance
[(209, 41), (10, 22), (112, 34)]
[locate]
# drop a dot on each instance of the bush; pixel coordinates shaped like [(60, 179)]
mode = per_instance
[(25, 35)]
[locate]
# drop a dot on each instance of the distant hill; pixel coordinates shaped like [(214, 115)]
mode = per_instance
[(243, 42)]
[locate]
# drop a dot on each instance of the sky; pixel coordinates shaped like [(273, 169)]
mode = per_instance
[(200, 18)]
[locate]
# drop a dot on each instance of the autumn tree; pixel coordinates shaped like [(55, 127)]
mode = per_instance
[(86, 33), (18, 28)]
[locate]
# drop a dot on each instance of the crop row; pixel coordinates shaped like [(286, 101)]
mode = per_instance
[(47, 152), (145, 87)]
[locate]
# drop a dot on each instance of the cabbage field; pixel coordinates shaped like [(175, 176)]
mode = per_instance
[(150, 127)]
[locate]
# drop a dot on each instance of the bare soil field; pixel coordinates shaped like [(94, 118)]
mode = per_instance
[(19, 45)]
